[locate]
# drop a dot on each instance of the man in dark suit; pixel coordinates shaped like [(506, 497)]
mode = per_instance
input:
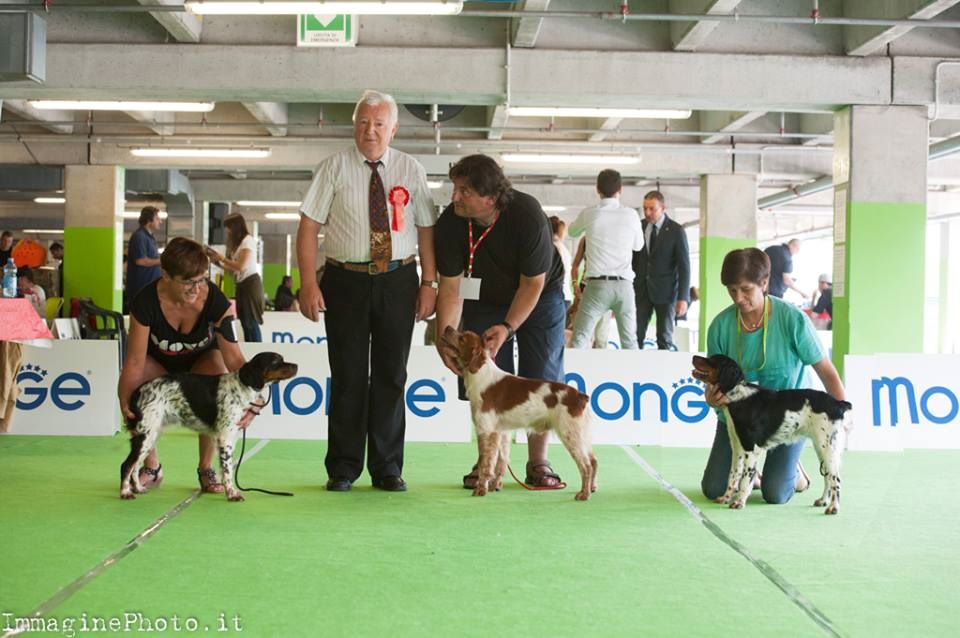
[(662, 282)]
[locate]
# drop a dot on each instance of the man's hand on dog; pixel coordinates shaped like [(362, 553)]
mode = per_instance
[(494, 337), (715, 398)]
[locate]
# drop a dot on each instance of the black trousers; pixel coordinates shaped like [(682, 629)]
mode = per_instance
[(369, 321), (665, 319)]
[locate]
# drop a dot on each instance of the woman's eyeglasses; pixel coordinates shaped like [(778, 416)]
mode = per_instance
[(191, 284)]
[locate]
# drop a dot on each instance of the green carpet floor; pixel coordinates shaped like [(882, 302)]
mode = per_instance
[(434, 561)]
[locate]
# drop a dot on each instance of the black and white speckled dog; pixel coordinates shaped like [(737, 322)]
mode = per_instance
[(209, 404), (759, 419)]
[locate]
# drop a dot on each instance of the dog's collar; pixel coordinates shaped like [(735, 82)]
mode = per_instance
[(256, 407)]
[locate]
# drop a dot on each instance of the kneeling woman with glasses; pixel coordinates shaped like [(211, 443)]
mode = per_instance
[(179, 323)]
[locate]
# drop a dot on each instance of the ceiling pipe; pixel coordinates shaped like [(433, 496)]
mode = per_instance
[(825, 182), (453, 129), (601, 15)]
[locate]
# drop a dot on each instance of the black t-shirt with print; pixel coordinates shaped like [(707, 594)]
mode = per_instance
[(174, 350), (520, 243)]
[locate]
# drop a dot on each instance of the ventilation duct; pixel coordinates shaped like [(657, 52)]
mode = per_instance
[(23, 47)]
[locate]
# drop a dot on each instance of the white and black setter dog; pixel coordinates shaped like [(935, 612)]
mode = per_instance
[(501, 402), (759, 419), (209, 404)]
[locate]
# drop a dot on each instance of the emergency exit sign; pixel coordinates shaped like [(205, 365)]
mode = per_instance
[(316, 30)]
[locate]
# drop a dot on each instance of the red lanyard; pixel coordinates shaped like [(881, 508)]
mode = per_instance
[(473, 246)]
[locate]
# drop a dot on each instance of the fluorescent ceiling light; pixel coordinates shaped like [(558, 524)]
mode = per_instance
[(236, 153), (123, 105), (358, 7), (283, 216), (563, 111), (42, 231), (607, 160), (135, 214), (248, 202), (434, 185), (50, 200), (553, 209)]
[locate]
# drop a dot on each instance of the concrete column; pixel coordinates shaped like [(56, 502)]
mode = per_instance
[(93, 234), (728, 220), (180, 227), (880, 216)]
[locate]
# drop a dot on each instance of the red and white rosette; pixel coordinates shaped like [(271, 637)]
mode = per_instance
[(399, 197)]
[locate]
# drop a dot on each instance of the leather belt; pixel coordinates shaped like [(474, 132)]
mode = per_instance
[(370, 267), (607, 278)]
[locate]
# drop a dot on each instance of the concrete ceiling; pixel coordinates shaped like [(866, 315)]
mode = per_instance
[(762, 89)]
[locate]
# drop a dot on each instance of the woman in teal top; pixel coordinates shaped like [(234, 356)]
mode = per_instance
[(775, 344)]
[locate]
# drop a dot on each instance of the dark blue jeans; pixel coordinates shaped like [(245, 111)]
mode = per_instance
[(779, 470)]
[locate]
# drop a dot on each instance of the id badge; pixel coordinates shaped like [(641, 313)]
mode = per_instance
[(470, 289)]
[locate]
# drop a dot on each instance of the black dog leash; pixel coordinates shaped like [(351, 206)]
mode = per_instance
[(255, 408)]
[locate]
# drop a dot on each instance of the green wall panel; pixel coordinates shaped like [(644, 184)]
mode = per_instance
[(91, 266), (882, 306)]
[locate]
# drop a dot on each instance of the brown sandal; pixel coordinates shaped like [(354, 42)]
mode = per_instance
[(209, 483), (151, 477), (541, 476)]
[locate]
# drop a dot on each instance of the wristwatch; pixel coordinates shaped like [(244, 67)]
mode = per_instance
[(431, 283), (510, 330)]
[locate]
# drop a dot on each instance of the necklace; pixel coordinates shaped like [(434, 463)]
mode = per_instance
[(763, 350), (750, 327)]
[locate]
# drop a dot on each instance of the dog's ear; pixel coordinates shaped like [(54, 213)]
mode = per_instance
[(252, 373), (477, 354), (729, 374)]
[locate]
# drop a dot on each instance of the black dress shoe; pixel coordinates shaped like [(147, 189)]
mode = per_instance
[(390, 484), (339, 485)]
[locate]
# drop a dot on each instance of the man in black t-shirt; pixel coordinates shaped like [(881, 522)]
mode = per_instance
[(500, 276), (781, 265)]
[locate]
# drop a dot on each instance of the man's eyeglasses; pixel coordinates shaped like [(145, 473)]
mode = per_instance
[(191, 284)]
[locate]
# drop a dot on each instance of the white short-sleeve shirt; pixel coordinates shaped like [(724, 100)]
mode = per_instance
[(249, 265), (339, 199)]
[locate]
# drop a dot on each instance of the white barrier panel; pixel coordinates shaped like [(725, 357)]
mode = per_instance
[(636, 397), (298, 407), (70, 388), (904, 401), (292, 327)]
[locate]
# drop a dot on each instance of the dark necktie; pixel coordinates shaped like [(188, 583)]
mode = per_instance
[(653, 239), (380, 248)]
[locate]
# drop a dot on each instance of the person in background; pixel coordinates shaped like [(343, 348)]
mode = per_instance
[(694, 296), (559, 229), (373, 203), (776, 345), (143, 257), (31, 291), (285, 300), (824, 302), (241, 262), (601, 334), (614, 236), (662, 270), (6, 247), (56, 252), (781, 265), (180, 322)]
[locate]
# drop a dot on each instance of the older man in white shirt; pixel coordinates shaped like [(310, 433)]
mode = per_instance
[(614, 234), (376, 211)]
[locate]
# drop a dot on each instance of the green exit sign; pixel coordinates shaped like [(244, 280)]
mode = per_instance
[(316, 30)]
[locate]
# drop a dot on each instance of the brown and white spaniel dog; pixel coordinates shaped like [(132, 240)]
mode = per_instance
[(501, 402)]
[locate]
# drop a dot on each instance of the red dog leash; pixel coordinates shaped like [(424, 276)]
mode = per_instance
[(559, 486)]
